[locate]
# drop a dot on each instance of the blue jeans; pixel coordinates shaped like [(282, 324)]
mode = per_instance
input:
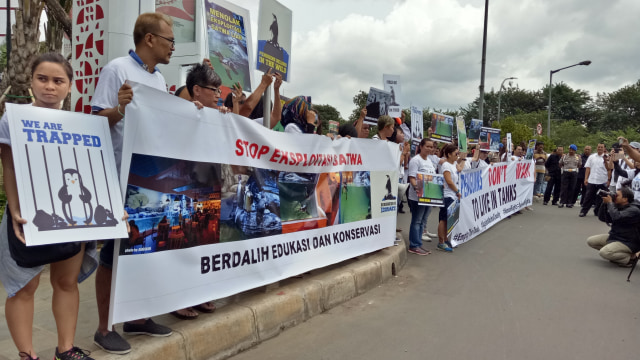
[(538, 188), (419, 216)]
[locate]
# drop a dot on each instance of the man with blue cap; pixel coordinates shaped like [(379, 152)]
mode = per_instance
[(570, 164)]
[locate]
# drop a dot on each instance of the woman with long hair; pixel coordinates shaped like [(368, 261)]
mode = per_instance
[(420, 163), (51, 83), (450, 172)]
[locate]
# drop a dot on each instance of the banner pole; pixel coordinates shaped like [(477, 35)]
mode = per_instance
[(266, 106)]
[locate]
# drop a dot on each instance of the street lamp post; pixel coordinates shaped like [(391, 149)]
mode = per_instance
[(500, 94), (585, 63)]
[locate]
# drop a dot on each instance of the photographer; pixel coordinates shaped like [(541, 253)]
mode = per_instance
[(623, 240)]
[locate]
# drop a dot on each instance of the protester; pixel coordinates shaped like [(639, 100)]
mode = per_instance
[(398, 138), (451, 192), (518, 153), (51, 77), (597, 177), (623, 240), (540, 158), (581, 188), (479, 159), (555, 176), (203, 85), (154, 44), (419, 213), (386, 127), (298, 116), (253, 106), (569, 164)]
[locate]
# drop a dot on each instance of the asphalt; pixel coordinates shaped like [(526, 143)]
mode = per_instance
[(528, 289)]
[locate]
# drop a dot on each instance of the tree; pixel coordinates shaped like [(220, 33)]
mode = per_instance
[(3, 57), (618, 110), (513, 101), (360, 101), (58, 23), (568, 104), (327, 113), (24, 48)]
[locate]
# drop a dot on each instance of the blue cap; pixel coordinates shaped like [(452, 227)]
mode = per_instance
[(573, 147), (500, 146)]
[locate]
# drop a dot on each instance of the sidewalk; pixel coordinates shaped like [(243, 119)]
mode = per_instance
[(240, 321)]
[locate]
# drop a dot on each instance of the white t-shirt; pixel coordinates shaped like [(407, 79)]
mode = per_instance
[(112, 76), (419, 165), (450, 168), (292, 129), (435, 160), (5, 135), (598, 173), (480, 164)]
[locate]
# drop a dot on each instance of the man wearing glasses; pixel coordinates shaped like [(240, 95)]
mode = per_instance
[(154, 44)]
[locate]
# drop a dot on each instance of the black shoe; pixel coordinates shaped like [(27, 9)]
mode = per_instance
[(545, 203), (582, 214), (560, 206), (570, 206), (554, 203), (401, 211)]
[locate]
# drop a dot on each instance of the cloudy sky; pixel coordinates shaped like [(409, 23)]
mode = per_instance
[(343, 46)]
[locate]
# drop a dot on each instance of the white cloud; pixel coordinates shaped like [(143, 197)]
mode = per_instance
[(341, 47)]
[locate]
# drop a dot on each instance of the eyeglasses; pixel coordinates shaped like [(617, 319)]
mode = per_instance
[(172, 41), (216, 90)]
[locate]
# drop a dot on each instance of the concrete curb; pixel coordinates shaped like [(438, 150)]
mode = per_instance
[(241, 325)]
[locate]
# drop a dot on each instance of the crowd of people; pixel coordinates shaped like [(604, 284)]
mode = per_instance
[(566, 175)]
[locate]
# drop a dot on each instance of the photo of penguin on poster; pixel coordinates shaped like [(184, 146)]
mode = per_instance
[(66, 176)]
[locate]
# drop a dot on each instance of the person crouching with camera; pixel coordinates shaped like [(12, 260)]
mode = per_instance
[(623, 240)]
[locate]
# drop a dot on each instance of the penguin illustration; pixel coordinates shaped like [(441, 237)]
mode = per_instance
[(388, 186), (75, 197), (274, 31)]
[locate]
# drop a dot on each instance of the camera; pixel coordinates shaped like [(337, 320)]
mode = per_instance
[(605, 193)]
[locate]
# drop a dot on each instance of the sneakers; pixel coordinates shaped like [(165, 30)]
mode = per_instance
[(74, 354), (444, 247), (426, 237), (112, 343), (431, 235), (148, 328), (419, 251)]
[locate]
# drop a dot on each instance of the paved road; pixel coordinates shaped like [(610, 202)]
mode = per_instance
[(529, 288)]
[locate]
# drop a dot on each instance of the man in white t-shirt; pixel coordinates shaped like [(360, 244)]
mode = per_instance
[(596, 177), (154, 43)]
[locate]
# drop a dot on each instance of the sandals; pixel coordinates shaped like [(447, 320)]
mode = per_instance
[(203, 309), (185, 317)]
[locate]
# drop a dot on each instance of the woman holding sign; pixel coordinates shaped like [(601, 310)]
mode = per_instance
[(51, 83), (450, 172)]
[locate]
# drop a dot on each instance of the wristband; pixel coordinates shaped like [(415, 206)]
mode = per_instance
[(118, 108)]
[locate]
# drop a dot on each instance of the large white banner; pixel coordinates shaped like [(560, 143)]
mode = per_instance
[(491, 194), (65, 174), (221, 205)]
